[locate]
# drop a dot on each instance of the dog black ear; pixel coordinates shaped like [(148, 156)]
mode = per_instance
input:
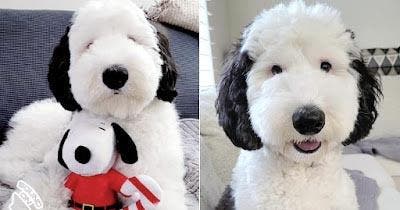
[(125, 145), (231, 104), (370, 93), (58, 75), (60, 148), (166, 89)]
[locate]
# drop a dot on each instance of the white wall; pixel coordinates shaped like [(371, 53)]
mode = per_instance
[(376, 23), (206, 69), (219, 31)]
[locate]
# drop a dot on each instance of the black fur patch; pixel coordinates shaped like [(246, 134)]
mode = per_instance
[(227, 202), (232, 107), (60, 148), (2, 136), (166, 89), (58, 75), (125, 145), (3, 132), (370, 93)]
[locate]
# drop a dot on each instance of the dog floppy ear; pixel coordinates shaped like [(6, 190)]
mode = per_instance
[(232, 107), (370, 92), (58, 75), (125, 145), (60, 148), (166, 89)]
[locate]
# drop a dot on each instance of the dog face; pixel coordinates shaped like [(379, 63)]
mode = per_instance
[(295, 85), (90, 145), (111, 61)]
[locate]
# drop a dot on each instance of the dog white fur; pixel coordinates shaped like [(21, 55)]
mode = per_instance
[(270, 172), (103, 33), (107, 33)]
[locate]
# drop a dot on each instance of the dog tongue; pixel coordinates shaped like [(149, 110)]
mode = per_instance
[(308, 145)]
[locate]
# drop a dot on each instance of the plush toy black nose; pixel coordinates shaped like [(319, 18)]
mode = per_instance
[(82, 154), (115, 77), (308, 120)]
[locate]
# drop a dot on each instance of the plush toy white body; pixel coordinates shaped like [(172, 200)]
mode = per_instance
[(112, 63), (89, 149)]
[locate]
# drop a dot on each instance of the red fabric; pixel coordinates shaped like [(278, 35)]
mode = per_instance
[(139, 205), (98, 190), (146, 192)]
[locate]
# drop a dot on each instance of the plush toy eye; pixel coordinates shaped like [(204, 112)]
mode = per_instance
[(326, 66), (276, 69)]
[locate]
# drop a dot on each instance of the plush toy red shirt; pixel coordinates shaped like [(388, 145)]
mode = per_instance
[(104, 186), (89, 150)]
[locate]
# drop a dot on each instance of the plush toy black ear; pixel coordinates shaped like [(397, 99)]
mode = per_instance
[(232, 106), (370, 93), (58, 75), (125, 145), (166, 89), (60, 148)]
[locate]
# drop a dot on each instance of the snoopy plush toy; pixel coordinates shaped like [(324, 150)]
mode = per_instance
[(89, 150)]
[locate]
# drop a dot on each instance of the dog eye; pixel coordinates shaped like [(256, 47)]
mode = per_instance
[(131, 38), (326, 66), (276, 69), (88, 45)]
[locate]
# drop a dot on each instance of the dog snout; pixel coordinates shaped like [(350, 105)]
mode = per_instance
[(82, 154), (115, 77), (308, 120)]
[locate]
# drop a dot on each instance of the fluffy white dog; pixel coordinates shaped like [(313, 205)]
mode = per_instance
[(294, 92), (113, 63)]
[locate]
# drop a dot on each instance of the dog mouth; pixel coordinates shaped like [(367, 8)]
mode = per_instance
[(308, 146)]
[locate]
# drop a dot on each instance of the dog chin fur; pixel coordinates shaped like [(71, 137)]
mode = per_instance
[(255, 108), (145, 112), (274, 182)]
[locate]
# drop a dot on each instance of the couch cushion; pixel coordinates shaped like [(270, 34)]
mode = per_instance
[(27, 39)]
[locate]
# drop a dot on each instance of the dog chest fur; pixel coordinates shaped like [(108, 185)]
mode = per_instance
[(268, 181)]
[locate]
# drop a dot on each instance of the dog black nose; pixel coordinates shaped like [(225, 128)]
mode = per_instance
[(115, 77), (82, 154), (308, 120)]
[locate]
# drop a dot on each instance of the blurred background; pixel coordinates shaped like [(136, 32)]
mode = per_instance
[(376, 26)]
